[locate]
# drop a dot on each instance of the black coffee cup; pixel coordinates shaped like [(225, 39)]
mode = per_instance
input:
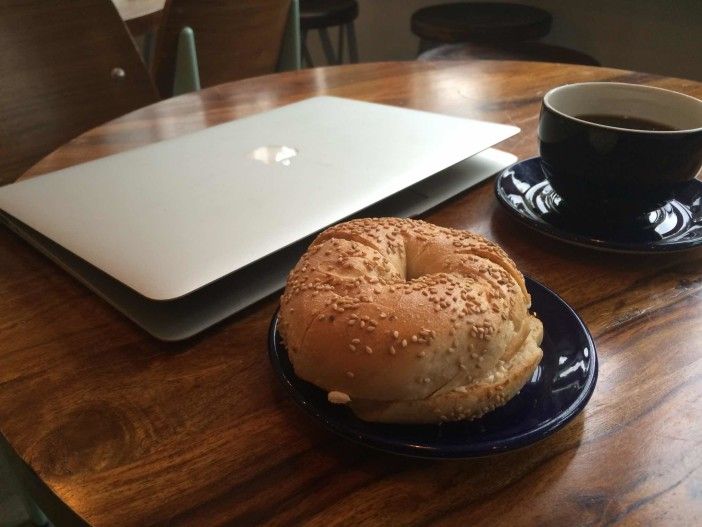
[(598, 155)]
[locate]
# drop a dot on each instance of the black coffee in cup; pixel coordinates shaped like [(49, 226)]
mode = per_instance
[(625, 121), (618, 149)]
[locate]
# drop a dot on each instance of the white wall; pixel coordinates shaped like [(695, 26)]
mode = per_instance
[(656, 36)]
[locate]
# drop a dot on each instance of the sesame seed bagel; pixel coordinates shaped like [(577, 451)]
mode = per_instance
[(406, 321)]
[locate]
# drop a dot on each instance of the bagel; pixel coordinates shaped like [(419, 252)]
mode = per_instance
[(408, 322)]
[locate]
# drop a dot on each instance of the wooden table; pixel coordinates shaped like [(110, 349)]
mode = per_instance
[(125, 430)]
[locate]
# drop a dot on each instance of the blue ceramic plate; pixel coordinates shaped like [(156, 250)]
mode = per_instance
[(523, 190), (559, 389)]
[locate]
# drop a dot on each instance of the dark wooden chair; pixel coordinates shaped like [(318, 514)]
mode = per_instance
[(535, 51), (67, 67), (321, 15), (232, 39), (479, 22)]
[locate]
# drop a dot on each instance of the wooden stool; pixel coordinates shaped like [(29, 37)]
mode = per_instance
[(323, 14), (536, 51), (479, 22)]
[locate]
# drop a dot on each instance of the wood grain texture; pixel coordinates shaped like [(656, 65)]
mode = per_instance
[(234, 40), (129, 431), (58, 62)]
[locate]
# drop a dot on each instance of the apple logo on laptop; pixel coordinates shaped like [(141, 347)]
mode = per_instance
[(273, 155)]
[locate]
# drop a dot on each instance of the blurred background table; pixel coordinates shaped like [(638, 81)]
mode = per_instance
[(110, 427)]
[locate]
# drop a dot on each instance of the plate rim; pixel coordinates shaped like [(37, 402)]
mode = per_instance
[(457, 452), (582, 240)]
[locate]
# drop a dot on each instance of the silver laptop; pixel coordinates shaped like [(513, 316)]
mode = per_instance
[(180, 234)]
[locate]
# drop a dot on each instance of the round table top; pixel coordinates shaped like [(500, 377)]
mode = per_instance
[(125, 430)]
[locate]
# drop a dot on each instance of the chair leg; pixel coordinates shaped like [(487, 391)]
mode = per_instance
[(36, 517), (340, 56), (290, 56), (187, 73), (422, 46), (353, 45), (306, 52), (147, 48), (308, 57), (327, 45)]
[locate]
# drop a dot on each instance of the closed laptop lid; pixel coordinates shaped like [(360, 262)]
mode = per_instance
[(171, 217)]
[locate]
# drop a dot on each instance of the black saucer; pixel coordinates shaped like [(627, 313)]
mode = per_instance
[(558, 390), (523, 190)]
